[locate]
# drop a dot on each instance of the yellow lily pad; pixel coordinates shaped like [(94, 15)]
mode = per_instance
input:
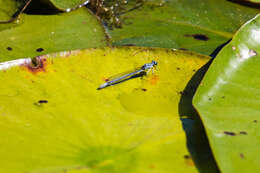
[(54, 120)]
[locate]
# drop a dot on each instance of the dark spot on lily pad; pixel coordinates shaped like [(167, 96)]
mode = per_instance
[(39, 49), (187, 156), (242, 155), (255, 121), (9, 48), (243, 133), (201, 37), (178, 68), (230, 133), (144, 89), (42, 101), (129, 44)]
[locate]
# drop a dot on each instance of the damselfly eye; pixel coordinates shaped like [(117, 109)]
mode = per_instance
[(154, 62)]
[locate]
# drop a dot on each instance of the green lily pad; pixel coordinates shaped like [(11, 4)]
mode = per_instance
[(228, 102), (53, 119), (8, 8), (197, 25), (254, 1), (40, 34), (67, 5)]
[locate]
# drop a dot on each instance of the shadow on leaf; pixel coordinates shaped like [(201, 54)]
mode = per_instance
[(197, 141)]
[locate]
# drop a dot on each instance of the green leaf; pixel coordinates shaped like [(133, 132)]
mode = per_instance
[(53, 119), (8, 8), (228, 102), (197, 25), (41, 34), (254, 1), (67, 5)]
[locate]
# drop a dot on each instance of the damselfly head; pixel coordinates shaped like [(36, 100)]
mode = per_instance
[(154, 62)]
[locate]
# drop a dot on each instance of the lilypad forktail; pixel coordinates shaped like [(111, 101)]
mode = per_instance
[(145, 68)]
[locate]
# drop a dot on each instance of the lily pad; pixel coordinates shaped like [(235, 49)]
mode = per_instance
[(53, 119), (67, 5), (8, 8), (40, 34), (197, 25), (254, 1), (228, 102)]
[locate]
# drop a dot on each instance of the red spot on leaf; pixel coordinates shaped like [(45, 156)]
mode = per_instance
[(37, 65), (154, 79)]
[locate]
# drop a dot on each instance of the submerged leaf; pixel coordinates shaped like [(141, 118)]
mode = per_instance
[(228, 102), (53, 119)]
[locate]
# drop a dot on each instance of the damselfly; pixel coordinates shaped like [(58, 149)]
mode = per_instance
[(144, 69)]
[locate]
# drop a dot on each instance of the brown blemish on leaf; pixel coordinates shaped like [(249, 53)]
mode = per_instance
[(144, 89), (154, 79), (201, 37), (130, 124), (38, 64), (178, 68), (152, 166), (187, 156), (230, 133), (242, 155), (243, 133), (188, 160), (255, 121)]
